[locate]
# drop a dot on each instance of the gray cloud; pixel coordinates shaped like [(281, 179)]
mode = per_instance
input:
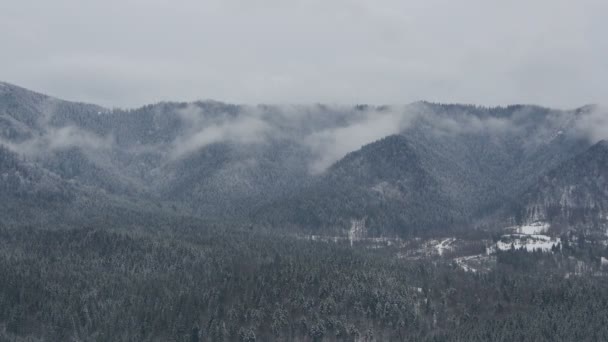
[(331, 132), (593, 124), (57, 139), (464, 123), (127, 53), (331, 144), (242, 129), (328, 132)]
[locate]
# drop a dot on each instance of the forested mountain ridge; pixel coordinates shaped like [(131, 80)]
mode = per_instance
[(401, 170)]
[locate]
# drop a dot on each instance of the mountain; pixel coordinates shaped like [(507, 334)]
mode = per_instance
[(377, 170), (383, 188), (450, 168), (573, 194)]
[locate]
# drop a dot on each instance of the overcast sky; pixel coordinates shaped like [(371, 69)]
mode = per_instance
[(125, 53)]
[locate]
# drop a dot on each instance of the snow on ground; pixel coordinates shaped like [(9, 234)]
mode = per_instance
[(529, 242), (322, 238), (537, 227), (462, 262), (475, 263), (367, 242), (530, 236), (418, 248), (357, 230), (437, 246), (444, 245), (416, 289)]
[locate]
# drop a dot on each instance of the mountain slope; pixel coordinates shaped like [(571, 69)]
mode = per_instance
[(23, 110), (574, 194), (380, 170), (383, 188), (449, 169)]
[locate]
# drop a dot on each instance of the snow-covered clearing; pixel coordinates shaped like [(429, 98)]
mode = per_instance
[(444, 245), (475, 263), (538, 227), (529, 242)]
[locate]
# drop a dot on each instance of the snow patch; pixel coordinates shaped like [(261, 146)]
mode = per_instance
[(417, 289), (528, 242), (537, 227), (357, 230), (444, 245), (530, 236), (474, 263)]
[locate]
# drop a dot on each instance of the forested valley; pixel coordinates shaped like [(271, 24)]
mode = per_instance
[(185, 283)]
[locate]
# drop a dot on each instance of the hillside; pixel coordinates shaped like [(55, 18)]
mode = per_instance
[(573, 194), (405, 170)]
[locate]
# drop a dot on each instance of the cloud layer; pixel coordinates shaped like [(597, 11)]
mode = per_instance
[(330, 145), (128, 53), (593, 123), (328, 133), (57, 139), (242, 129)]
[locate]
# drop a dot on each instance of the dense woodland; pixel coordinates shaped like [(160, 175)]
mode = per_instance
[(179, 222), (192, 284)]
